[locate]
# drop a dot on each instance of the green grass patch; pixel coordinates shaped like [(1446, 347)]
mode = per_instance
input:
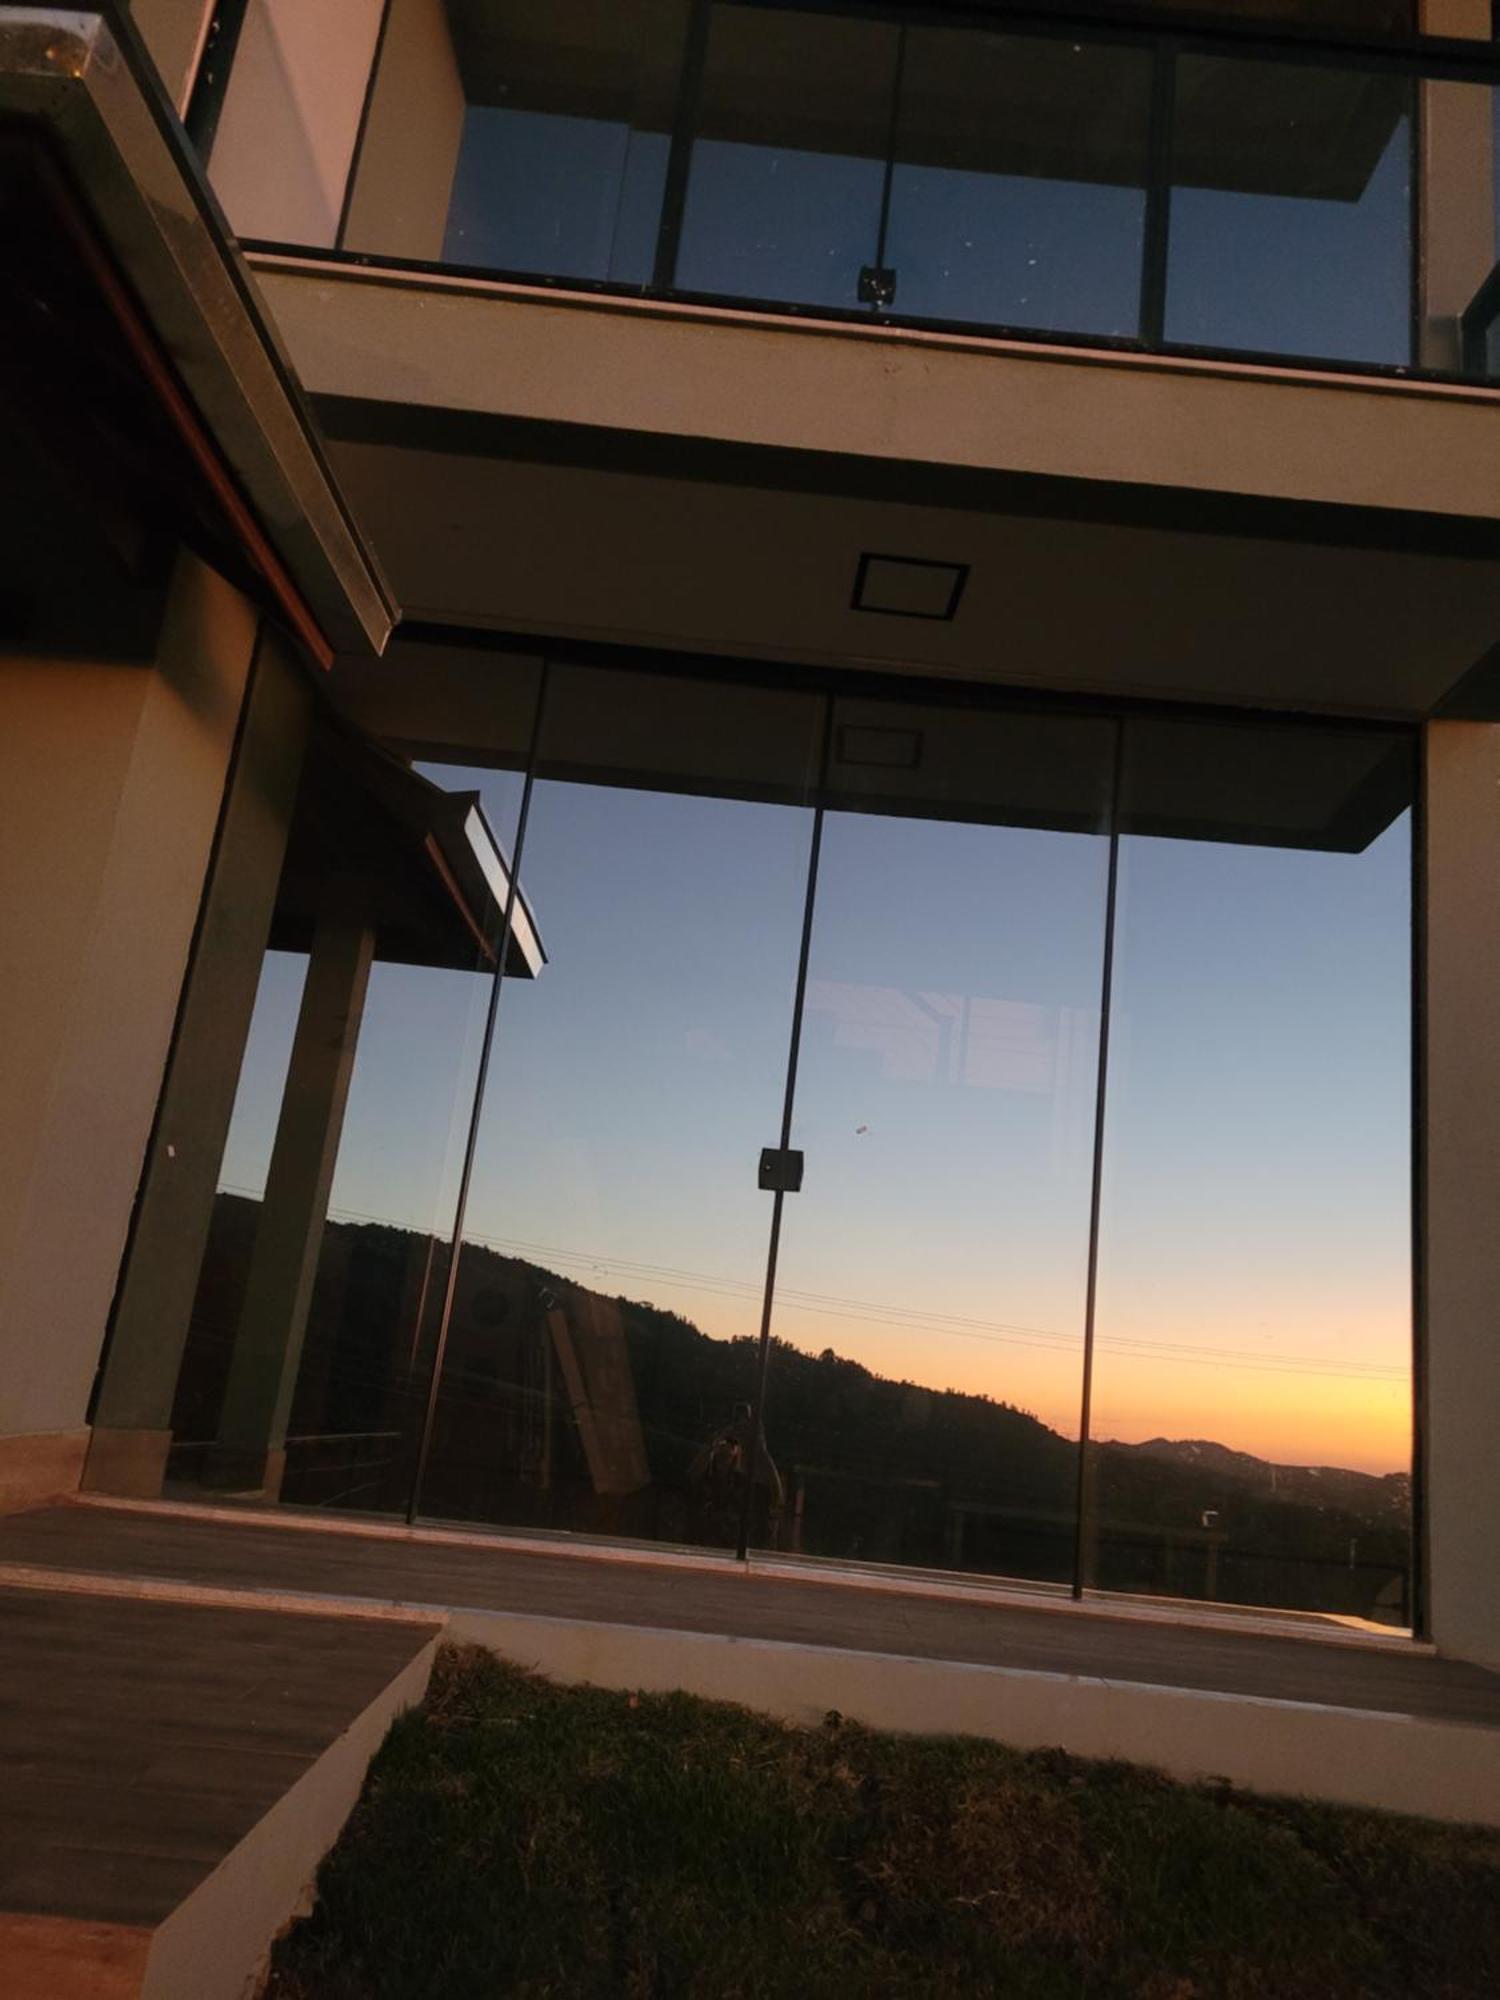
[(519, 1838)]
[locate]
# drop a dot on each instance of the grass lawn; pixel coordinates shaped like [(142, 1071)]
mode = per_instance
[(515, 1837)]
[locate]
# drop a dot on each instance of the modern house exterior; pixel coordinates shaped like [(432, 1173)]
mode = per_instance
[(752, 788)]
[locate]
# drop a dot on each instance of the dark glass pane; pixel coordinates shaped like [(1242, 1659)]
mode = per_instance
[(1252, 1378), (1018, 195), (788, 165), (1290, 218), (927, 1375), (604, 1331), (566, 134)]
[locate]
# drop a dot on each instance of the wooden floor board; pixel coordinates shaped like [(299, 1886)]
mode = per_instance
[(140, 1741)]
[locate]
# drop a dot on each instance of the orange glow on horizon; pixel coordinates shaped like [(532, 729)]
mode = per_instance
[(1311, 1398)]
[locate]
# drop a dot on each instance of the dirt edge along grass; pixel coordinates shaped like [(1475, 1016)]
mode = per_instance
[(517, 1837)]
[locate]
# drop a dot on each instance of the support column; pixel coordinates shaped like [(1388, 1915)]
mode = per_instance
[(1457, 186), (153, 1308), (251, 1451), (1459, 1403)]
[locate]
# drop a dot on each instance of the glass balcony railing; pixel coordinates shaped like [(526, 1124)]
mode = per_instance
[(1263, 187)]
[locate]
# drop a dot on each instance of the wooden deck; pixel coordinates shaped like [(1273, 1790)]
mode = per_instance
[(141, 1744), (482, 1573)]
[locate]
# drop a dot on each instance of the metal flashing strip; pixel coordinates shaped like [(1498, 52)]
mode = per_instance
[(66, 77)]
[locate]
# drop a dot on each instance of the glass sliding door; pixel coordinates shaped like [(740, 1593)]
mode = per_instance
[(1291, 210), (1251, 1410), (926, 1372), (600, 1358), (788, 168), (1018, 183)]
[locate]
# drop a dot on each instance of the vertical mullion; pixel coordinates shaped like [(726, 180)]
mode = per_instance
[(1416, 198), (1101, 1092), (1153, 309), (892, 132), (679, 159), (794, 1049), (476, 1111)]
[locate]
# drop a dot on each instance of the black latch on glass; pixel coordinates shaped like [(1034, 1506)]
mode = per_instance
[(781, 1170), (877, 285)]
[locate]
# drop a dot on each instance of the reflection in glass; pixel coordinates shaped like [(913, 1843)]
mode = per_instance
[(1291, 210), (305, 1369), (927, 1372), (305, 1230), (553, 157), (1018, 192), (788, 164), (1252, 1374), (601, 1354)]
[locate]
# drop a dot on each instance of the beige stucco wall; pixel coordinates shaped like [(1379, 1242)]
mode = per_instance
[(174, 30), (110, 783), (286, 137), (399, 206), (1456, 136), (1462, 1236), (886, 394)]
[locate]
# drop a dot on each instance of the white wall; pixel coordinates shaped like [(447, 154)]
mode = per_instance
[(286, 137)]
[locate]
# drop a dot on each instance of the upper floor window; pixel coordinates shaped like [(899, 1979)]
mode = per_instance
[(1027, 176)]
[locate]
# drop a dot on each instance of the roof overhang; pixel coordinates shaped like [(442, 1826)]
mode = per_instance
[(82, 104)]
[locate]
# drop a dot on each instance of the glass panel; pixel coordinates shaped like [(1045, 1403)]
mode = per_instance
[(1252, 1377), (521, 138), (320, 1224), (1291, 210), (566, 134), (1018, 194), (602, 1347), (788, 165), (927, 1375)]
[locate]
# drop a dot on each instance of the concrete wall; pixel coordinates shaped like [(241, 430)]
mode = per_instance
[(111, 778), (399, 206), (286, 138), (1349, 1756), (174, 31), (935, 399), (1462, 1172)]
